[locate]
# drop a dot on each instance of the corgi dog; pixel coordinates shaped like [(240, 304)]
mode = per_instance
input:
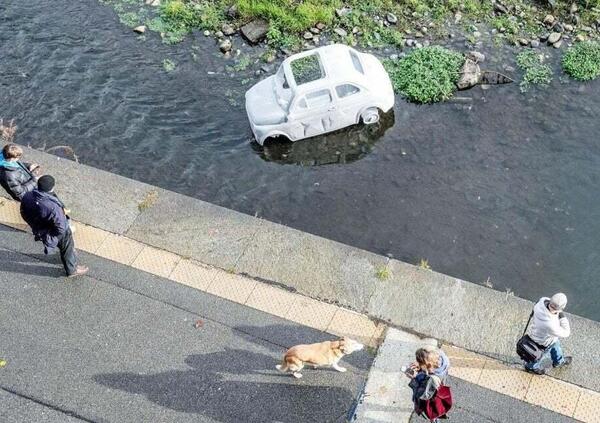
[(327, 353)]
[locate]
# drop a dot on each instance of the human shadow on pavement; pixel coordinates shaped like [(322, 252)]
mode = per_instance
[(234, 386), (13, 262)]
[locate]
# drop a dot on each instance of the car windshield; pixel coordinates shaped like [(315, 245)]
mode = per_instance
[(282, 90), (307, 69)]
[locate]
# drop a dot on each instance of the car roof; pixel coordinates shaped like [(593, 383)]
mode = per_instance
[(335, 60)]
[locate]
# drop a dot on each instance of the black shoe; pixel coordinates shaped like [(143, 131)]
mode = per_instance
[(567, 360), (535, 371)]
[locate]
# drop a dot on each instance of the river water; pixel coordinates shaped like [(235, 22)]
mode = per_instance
[(501, 185)]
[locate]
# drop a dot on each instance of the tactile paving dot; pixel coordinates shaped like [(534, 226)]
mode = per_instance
[(194, 274), (508, 381), (88, 238), (464, 364), (587, 407), (353, 325), (553, 394), (155, 261)]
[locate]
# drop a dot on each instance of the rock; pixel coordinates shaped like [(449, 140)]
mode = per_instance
[(409, 42), (573, 9), (419, 34), (524, 41), (534, 43), (206, 33), (355, 30), (233, 12), (140, 29), (544, 37), (225, 46), (266, 68), (315, 30), (557, 44), (580, 37), (424, 30), (475, 56), (255, 31), (418, 45), (469, 75), (549, 20), (342, 12), (219, 34), (316, 39), (228, 29), (308, 35), (569, 28), (341, 32), (391, 18), (500, 9), (393, 57), (502, 30), (155, 3), (457, 17), (320, 26), (554, 37), (477, 34)]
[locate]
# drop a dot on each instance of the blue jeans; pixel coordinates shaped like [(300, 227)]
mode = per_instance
[(555, 352)]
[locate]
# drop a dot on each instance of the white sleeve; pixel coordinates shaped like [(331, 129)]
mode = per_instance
[(563, 329)]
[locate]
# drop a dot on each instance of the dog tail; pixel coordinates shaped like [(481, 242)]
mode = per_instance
[(283, 367)]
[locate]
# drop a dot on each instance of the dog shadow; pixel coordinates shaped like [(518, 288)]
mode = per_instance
[(232, 386)]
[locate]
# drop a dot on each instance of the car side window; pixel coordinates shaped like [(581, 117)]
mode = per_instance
[(318, 98), (356, 62), (346, 90)]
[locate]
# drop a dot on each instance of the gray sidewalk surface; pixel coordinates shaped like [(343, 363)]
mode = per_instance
[(475, 318), (121, 345)]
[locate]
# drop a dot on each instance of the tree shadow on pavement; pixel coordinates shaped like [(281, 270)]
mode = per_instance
[(13, 262), (234, 386)]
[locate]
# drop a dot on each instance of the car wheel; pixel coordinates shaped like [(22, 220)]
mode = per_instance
[(370, 116)]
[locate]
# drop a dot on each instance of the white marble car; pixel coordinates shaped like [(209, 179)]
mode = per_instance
[(319, 91)]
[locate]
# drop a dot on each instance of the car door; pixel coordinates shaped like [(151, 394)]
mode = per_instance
[(350, 99), (313, 114)]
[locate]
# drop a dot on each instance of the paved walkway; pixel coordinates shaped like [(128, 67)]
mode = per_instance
[(253, 296), (121, 345)]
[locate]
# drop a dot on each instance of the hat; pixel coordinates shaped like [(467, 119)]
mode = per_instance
[(558, 301), (46, 183)]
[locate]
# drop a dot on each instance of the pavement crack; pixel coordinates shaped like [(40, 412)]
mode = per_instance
[(67, 412)]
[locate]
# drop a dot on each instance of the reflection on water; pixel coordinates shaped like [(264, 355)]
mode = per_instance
[(343, 146)]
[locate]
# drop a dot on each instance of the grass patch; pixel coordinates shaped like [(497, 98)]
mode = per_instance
[(8, 130), (148, 201), (582, 61), (383, 273), (424, 264), (426, 75), (536, 73), (169, 65)]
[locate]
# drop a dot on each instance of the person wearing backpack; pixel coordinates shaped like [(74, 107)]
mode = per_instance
[(549, 324), (428, 374)]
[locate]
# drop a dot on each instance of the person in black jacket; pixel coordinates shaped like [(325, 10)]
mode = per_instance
[(16, 177), (45, 214)]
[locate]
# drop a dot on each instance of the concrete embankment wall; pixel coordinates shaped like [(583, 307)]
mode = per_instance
[(419, 300)]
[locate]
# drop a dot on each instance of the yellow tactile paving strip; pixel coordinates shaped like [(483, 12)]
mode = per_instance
[(543, 391)]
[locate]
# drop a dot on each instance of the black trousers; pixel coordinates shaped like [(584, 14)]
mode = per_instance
[(66, 246)]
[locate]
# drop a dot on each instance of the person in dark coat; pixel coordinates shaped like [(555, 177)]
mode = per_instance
[(45, 214), (16, 177)]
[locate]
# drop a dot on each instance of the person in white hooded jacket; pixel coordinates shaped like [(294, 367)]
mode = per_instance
[(549, 324)]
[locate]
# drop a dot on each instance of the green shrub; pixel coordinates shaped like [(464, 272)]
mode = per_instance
[(582, 61), (426, 75), (536, 73)]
